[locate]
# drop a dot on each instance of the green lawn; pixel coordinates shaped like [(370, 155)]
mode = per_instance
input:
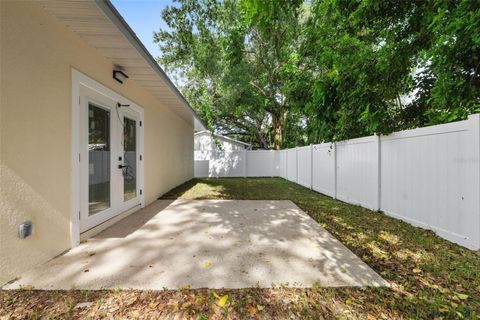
[(431, 278)]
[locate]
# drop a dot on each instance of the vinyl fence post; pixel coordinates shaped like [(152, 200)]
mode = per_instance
[(311, 166), (216, 157), (335, 169), (379, 169), (286, 164), (244, 163), (474, 132), (273, 161), (296, 166)]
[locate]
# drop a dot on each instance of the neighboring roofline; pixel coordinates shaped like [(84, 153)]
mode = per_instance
[(222, 137), (112, 13)]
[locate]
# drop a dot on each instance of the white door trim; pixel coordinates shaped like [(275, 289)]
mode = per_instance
[(78, 80)]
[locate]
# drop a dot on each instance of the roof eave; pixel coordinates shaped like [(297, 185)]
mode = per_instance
[(223, 137)]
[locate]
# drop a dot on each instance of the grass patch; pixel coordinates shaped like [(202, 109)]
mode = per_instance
[(431, 278)]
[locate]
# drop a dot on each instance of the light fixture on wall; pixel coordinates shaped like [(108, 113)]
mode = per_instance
[(119, 105), (119, 75)]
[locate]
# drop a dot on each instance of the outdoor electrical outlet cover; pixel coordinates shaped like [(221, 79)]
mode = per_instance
[(25, 229)]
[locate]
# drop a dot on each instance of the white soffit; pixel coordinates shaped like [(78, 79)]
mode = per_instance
[(102, 27)]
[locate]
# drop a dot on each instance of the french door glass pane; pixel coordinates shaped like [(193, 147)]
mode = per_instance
[(130, 159), (98, 159)]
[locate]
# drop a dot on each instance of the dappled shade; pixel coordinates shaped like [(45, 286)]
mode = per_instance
[(207, 244)]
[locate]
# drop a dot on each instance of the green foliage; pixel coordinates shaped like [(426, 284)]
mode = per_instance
[(236, 58), (287, 72), (379, 66)]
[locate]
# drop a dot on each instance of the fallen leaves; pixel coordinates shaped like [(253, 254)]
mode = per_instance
[(461, 296), (252, 310), (222, 301), (430, 278), (417, 270), (281, 302), (82, 305), (424, 270)]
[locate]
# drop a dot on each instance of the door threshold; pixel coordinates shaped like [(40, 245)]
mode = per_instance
[(104, 225)]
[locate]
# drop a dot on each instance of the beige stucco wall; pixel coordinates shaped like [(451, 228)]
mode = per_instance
[(37, 53)]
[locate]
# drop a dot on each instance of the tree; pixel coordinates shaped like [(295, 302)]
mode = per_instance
[(287, 72), (379, 66), (235, 61), (272, 47)]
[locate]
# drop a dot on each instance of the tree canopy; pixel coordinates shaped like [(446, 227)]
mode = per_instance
[(280, 73)]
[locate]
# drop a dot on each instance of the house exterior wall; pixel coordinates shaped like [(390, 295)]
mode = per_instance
[(205, 142), (37, 54)]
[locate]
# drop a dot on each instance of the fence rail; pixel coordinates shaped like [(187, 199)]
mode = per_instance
[(428, 177)]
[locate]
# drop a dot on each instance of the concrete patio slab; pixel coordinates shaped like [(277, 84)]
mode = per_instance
[(207, 244)]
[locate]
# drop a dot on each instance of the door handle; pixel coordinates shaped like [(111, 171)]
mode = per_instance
[(121, 166)]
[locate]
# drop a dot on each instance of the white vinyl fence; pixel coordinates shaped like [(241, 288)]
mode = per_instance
[(429, 177), (244, 163)]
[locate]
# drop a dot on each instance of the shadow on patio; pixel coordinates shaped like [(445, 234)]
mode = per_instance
[(207, 243)]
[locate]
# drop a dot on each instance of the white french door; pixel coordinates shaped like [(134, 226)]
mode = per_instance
[(111, 141)]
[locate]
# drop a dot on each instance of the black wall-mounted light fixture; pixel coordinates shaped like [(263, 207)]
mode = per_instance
[(119, 105), (119, 75)]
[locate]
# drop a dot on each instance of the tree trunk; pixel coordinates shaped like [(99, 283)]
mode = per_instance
[(262, 142), (277, 131)]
